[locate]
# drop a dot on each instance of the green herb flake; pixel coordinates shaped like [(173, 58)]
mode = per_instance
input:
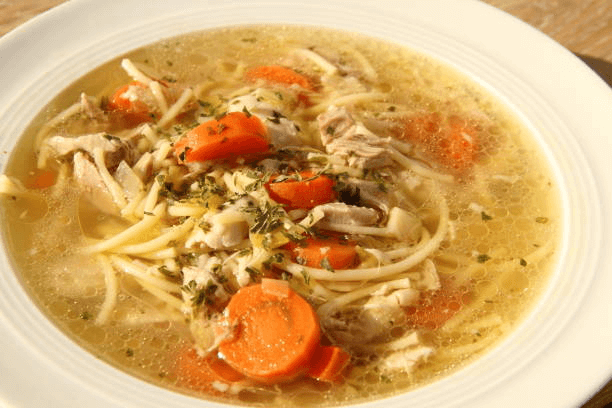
[(205, 226), (485, 216), (523, 262), (163, 269), (482, 258), (306, 277), (385, 379), (85, 315), (326, 265), (244, 252), (253, 272), (160, 179), (541, 220), (129, 352)]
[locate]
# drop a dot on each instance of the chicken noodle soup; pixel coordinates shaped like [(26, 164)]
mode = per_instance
[(281, 215)]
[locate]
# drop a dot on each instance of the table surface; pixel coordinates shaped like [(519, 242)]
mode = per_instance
[(582, 26)]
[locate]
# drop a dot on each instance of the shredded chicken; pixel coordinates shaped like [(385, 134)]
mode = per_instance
[(92, 185), (114, 148), (343, 136), (340, 213)]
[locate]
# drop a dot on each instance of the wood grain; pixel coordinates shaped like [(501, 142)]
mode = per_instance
[(582, 26)]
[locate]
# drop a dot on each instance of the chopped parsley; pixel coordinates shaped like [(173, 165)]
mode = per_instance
[(200, 295), (267, 219), (326, 265), (482, 258), (306, 277)]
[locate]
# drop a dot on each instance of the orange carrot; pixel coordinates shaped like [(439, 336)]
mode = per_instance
[(452, 142), (42, 179), (437, 308), (129, 113), (306, 190), (324, 253), (329, 364), (201, 373), (275, 336), (279, 75), (235, 134)]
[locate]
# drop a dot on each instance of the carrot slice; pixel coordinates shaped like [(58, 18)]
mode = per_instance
[(42, 179), (235, 134), (129, 112), (452, 142), (329, 364), (434, 310), (306, 192), (201, 373), (324, 253), (279, 75), (275, 337)]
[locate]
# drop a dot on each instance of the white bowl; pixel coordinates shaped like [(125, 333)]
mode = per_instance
[(558, 357)]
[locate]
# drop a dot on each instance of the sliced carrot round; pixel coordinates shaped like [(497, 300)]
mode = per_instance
[(452, 142), (329, 364), (324, 253), (201, 373), (235, 134), (279, 75), (275, 336), (128, 112), (42, 179), (432, 311), (308, 192)]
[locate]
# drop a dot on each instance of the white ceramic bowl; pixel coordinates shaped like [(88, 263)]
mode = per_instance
[(558, 357)]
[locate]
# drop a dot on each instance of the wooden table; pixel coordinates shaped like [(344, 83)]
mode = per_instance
[(582, 26)]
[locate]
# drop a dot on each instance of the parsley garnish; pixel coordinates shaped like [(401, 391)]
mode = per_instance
[(306, 277), (253, 272), (267, 219), (482, 258), (326, 265)]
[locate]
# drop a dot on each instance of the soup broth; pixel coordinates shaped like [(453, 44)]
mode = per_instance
[(132, 223)]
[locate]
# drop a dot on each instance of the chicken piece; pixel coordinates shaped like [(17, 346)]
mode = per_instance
[(205, 277), (404, 360), (91, 109), (372, 321), (343, 136), (221, 230), (219, 235), (128, 180), (364, 324), (371, 194), (340, 213), (92, 185), (267, 107), (115, 150)]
